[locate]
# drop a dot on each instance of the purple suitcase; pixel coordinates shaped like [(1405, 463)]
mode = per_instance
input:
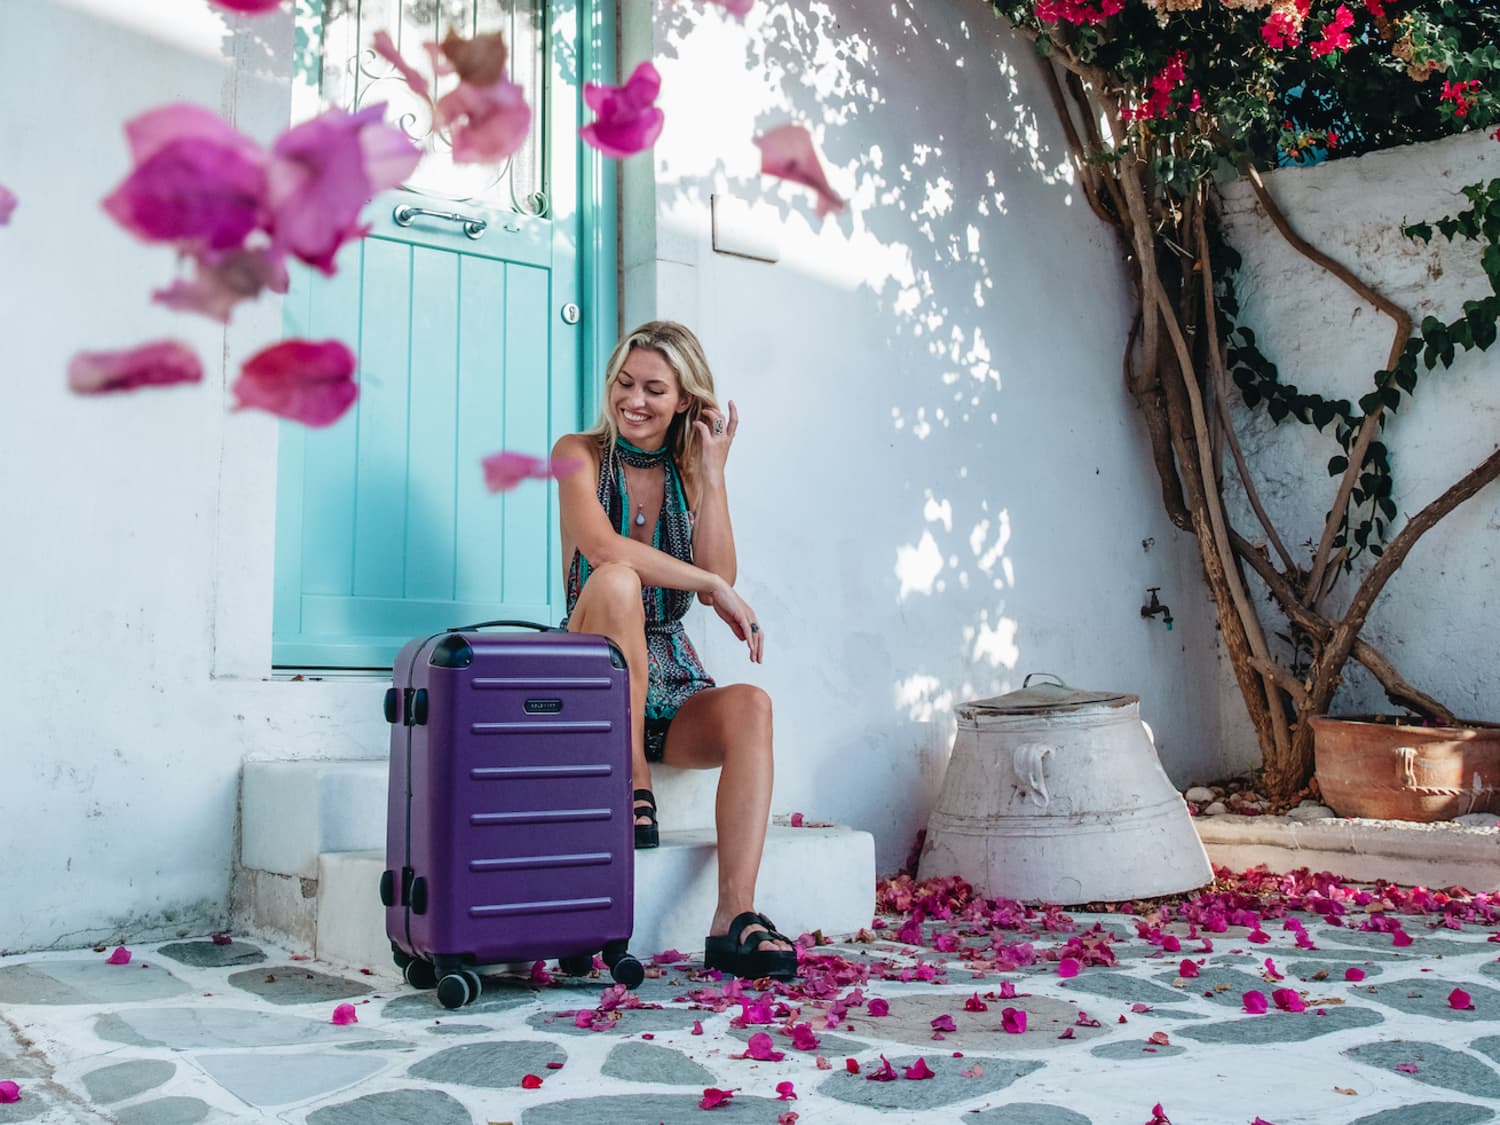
[(508, 834)]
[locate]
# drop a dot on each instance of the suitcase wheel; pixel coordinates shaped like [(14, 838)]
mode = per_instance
[(419, 974), (457, 989), (579, 965), (628, 971)]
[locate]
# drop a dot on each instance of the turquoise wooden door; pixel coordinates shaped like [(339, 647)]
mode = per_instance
[(468, 344)]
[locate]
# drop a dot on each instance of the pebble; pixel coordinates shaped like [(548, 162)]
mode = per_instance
[(1478, 820), (1216, 809), (1311, 811), (1199, 795)]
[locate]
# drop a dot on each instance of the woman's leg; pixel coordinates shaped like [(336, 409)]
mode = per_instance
[(730, 727), (610, 605)]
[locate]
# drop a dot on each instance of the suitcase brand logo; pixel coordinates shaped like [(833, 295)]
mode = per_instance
[(543, 706)]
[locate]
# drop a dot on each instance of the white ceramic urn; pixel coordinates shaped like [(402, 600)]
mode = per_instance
[(1056, 795)]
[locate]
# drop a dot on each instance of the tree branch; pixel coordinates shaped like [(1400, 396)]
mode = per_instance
[(1087, 175)]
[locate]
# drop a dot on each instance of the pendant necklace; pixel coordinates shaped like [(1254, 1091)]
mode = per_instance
[(640, 515)]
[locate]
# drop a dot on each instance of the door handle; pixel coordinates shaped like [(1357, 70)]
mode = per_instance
[(405, 214)]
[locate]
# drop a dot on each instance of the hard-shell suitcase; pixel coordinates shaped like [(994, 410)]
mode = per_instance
[(509, 835)]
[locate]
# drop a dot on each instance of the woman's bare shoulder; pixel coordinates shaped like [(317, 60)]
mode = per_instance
[(584, 446)]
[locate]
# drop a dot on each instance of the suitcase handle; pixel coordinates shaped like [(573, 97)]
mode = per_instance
[(516, 624)]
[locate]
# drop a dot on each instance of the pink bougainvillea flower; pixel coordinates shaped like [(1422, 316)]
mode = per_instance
[(1086, 1020), (8, 203), (344, 1015), (487, 123), (221, 939), (385, 47), (1008, 990), (787, 153), (1188, 968), (554, 1066), (1352, 973), (879, 1007), (787, 1118), (943, 1022), (249, 7), (1068, 967), (762, 1047), (324, 171), (1258, 936), (786, 1092), (531, 1082), (1460, 1001), (1407, 1068), (886, 1073), (539, 973), (697, 1028), (975, 1004), (919, 1070), (759, 1012), (626, 119), (157, 364), (503, 472), (1159, 1039), (1335, 35), (1013, 1021), (1260, 1121), (1159, 1116), (851, 1066), (1271, 973), (669, 957), (9, 1092), (822, 1063), (1255, 1002), (307, 381), (803, 1038), (196, 180), (796, 820), (224, 278), (1401, 939), (1067, 1034), (975, 1071), (713, 1096), (1288, 1000)]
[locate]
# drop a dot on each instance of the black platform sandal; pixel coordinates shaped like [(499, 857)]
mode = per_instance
[(646, 835), (745, 955)]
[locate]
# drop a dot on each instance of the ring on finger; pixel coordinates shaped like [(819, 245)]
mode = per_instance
[(718, 425), (755, 626)]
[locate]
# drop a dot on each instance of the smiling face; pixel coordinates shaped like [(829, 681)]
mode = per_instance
[(644, 398)]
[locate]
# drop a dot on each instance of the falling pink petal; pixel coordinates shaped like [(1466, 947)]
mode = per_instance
[(195, 180), (416, 81), (803, 1038), (735, 7), (944, 1022), (344, 1015), (761, 1047), (1013, 1021), (306, 381), (1407, 1068), (157, 364), (250, 7), (9, 1092), (488, 123), (1188, 968), (1352, 973), (324, 171), (886, 1073), (8, 203), (879, 1007), (531, 1082), (697, 1028), (224, 278), (787, 153), (1255, 1002), (713, 1096), (1401, 939), (626, 119), (505, 471), (1460, 1001), (785, 1092), (1158, 1039), (1068, 967), (796, 820), (919, 1070)]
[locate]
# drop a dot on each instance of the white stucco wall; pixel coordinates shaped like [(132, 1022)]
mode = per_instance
[(1439, 617), (939, 486), (940, 483)]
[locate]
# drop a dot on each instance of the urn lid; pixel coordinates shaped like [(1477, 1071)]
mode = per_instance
[(1044, 699)]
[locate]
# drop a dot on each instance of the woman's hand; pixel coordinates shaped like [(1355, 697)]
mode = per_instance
[(715, 434), (735, 612)]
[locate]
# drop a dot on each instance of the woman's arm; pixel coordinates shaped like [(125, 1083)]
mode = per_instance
[(586, 525), (713, 535)]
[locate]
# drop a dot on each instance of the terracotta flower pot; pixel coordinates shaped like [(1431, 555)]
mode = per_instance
[(1377, 766)]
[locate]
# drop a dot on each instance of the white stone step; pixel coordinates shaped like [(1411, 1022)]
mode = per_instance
[(810, 879), (291, 812)]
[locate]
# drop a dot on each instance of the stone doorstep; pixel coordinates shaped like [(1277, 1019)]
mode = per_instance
[(292, 812), (810, 878), (1427, 855)]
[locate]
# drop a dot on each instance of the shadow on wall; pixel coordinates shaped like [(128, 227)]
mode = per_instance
[(966, 266)]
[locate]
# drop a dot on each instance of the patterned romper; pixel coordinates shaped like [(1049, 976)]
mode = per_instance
[(675, 671)]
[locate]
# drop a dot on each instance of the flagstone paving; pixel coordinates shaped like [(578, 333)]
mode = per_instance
[(198, 1031)]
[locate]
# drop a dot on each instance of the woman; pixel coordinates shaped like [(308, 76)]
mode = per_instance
[(645, 527)]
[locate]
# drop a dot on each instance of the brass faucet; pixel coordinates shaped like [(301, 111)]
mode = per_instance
[(1155, 606)]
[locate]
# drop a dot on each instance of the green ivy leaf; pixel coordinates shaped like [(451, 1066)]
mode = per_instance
[(1337, 465)]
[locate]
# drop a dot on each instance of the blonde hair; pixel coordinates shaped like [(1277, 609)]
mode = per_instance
[(676, 344)]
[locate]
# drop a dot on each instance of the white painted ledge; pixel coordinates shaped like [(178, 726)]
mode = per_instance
[(1427, 855)]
